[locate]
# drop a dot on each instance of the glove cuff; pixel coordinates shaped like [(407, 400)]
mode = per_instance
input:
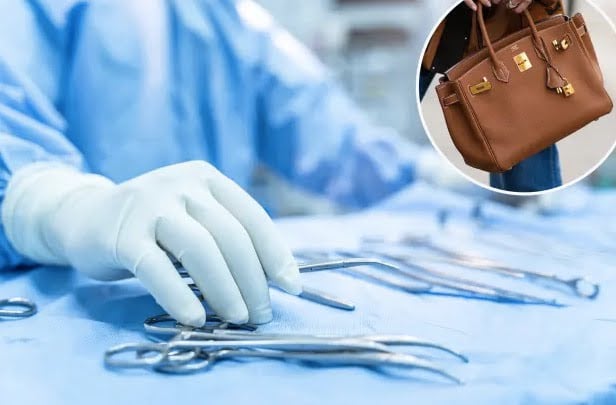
[(34, 194)]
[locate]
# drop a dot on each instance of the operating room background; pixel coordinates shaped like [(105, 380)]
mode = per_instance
[(373, 48)]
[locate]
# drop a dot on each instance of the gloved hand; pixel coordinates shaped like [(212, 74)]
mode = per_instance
[(224, 239)]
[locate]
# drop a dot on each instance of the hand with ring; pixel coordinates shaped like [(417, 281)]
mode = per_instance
[(517, 6), (487, 3)]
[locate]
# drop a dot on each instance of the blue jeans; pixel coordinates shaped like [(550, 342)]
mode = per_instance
[(536, 173)]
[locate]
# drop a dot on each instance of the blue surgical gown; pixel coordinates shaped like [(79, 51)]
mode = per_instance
[(121, 87)]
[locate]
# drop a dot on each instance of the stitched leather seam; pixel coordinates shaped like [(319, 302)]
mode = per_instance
[(466, 103), (450, 100), (580, 42), (595, 66)]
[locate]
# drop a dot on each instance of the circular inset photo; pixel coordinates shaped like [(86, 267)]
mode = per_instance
[(517, 94)]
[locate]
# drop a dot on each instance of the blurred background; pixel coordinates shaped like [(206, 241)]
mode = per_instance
[(373, 47)]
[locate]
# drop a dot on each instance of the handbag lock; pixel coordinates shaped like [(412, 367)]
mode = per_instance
[(567, 90), (523, 62), (562, 45), (481, 87)]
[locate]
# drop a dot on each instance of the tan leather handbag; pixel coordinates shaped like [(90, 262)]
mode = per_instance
[(523, 93)]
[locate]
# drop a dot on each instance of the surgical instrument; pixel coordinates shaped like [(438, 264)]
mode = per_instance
[(23, 308), (282, 344), (436, 277), (205, 359), (155, 325), (226, 331), (350, 266), (579, 286), (191, 349), (323, 298), (403, 266), (308, 293), (352, 262)]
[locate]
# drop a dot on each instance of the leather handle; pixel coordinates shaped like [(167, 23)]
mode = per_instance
[(554, 78), (499, 68)]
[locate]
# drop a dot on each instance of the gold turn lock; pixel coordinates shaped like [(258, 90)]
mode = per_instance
[(561, 45), (482, 87), (523, 62), (567, 90)]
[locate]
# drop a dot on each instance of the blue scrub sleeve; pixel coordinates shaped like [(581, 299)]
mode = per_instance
[(31, 130), (312, 134)]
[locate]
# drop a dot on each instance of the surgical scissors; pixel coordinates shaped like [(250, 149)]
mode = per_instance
[(282, 344), (23, 307), (226, 331), (192, 349), (204, 359), (579, 286)]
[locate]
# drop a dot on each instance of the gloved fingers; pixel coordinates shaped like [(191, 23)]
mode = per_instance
[(275, 256), (160, 278), (194, 247), (239, 253)]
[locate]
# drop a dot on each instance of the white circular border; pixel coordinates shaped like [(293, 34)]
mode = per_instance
[(469, 178)]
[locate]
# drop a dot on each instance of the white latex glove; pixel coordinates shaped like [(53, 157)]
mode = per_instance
[(224, 239)]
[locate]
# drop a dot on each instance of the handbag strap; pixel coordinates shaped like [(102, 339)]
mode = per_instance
[(539, 10), (554, 79)]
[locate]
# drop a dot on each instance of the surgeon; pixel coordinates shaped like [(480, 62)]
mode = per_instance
[(129, 130)]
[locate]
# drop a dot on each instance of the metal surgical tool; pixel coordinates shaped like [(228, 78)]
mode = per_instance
[(204, 359), (579, 286), (192, 349), (404, 266), (226, 331), (352, 262), (443, 279), (17, 307), (308, 293), (350, 266)]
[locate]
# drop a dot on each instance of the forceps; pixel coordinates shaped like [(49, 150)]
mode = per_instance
[(351, 267), (192, 349), (205, 359), (282, 344), (351, 262), (227, 331), (579, 286), (403, 266), (442, 279), (308, 293), (23, 308)]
